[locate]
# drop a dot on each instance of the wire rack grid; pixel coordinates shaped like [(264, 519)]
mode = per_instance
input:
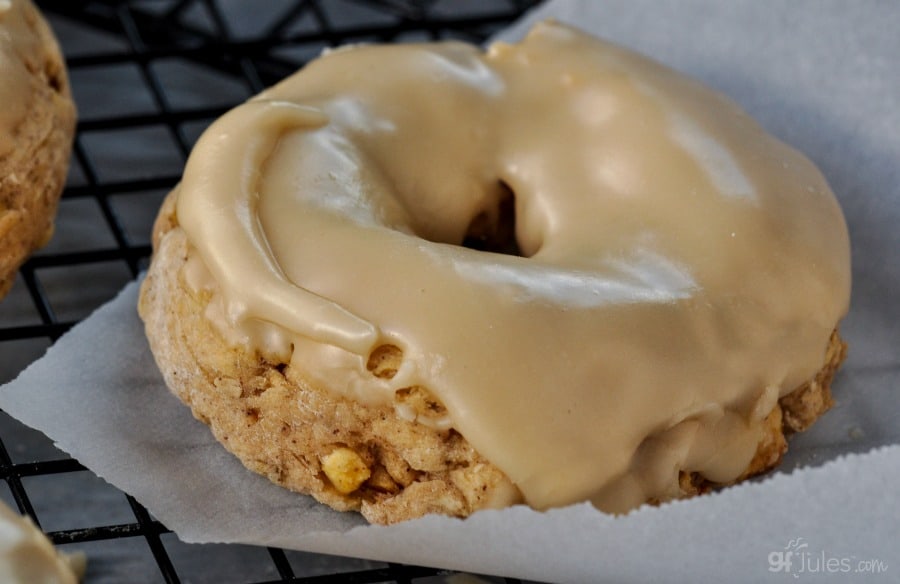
[(148, 76)]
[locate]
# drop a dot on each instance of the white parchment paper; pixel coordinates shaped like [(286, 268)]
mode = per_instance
[(824, 75)]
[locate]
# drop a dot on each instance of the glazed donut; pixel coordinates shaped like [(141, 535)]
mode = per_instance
[(37, 122), (569, 271)]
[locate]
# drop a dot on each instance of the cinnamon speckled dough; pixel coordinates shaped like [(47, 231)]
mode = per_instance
[(284, 427), (37, 126)]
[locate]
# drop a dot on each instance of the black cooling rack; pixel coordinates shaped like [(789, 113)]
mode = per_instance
[(148, 76)]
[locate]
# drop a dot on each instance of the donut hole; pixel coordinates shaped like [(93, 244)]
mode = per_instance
[(494, 230), (384, 361)]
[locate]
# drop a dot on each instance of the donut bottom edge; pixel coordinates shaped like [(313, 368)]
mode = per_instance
[(350, 456)]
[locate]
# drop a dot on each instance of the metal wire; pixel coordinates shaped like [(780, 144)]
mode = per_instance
[(145, 34)]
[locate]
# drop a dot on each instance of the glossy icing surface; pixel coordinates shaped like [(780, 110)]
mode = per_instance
[(680, 268)]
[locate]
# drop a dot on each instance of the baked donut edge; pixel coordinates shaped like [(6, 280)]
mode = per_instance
[(350, 456), (33, 173)]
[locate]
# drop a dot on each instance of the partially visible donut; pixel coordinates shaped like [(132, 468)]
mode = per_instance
[(37, 121), (28, 557), (423, 278)]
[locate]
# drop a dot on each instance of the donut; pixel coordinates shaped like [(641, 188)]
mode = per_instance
[(428, 278), (27, 556), (37, 122)]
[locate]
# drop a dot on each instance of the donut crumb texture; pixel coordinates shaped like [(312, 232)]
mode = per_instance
[(349, 456), (33, 172)]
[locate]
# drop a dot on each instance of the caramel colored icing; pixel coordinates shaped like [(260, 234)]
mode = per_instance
[(680, 268), (17, 42)]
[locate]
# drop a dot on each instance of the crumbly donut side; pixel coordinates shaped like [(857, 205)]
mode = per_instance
[(32, 174), (795, 412), (347, 455), (804, 406)]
